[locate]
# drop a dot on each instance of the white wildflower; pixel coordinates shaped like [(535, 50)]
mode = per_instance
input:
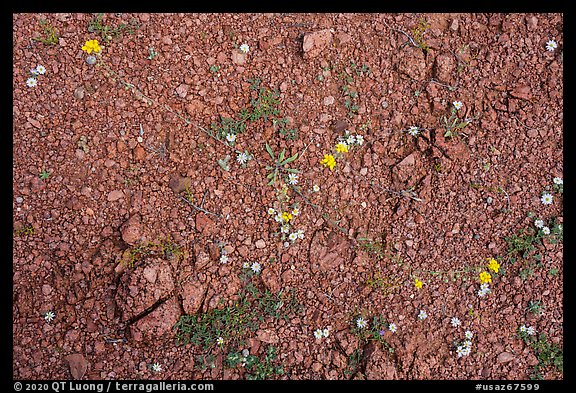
[(546, 198), (256, 267), (551, 45)]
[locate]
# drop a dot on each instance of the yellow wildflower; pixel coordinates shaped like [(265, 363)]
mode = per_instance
[(485, 278), (286, 216), (493, 265), (341, 148), (91, 46), (328, 161), (417, 283)]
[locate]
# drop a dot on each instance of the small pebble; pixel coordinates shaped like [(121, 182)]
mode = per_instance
[(489, 200), (19, 199)]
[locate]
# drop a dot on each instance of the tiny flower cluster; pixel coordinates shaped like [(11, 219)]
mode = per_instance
[(361, 323), (413, 130), (320, 333), (484, 290), (493, 265), (49, 316), (464, 348), (529, 330), (284, 219), (243, 158), (422, 315), (255, 267), (486, 278), (417, 283), (91, 46), (244, 48), (33, 80), (544, 230), (455, 322), (343, 145), (349, 140), (558, 184)]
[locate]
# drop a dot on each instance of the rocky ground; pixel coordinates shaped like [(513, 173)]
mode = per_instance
[(136, 227)]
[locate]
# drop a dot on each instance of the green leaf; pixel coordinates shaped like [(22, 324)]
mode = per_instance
[(269, 150), (290, 159), (448, 134), (281, 157), (292, 170)]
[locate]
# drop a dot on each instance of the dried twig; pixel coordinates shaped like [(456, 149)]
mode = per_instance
[(199, 208), (403, 32)]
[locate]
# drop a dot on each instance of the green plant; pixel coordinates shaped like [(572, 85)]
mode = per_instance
[(535, 307), (547, 354), (230, 125), (383, 283), (353, 362), (151, 53), (288, 133), (265, 105), (418, 34), (521, 244), (372, 331), (44, 174), (279, 163), (50, 36), (25, 230), (375, 247), (453, 124), (165, 249), (265, 369), (214, 69), (224, 163), (234, 321), (109, 32), (553, 271)]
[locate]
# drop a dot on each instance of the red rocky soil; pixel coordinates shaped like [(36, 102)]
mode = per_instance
[(430, 204)]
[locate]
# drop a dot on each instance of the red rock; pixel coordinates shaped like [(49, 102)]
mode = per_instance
[(505, 357), (179, 183), (131, 230), (342, 38), (523, 92), (192, 295), (182, 90), (268, 336), (238, 57), (315, 43), (34, 122), (159, 322), (139, 153), (115, 195), (77, 364), (204, 224), (444, 67)]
